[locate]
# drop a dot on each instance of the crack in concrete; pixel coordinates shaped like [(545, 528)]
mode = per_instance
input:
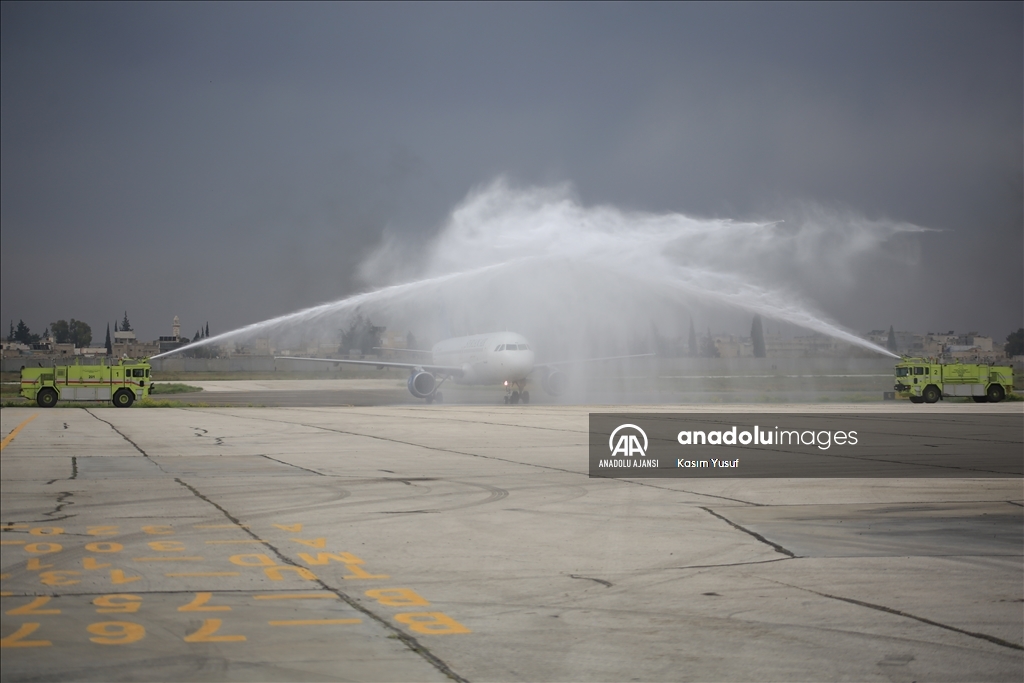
[(901, 613), (411, 642), (778, 548), (590, 578)]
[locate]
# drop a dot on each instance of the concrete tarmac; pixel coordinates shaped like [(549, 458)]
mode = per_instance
[(419, 543)]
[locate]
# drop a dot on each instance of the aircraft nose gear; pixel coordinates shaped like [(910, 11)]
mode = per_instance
[(516, 392)]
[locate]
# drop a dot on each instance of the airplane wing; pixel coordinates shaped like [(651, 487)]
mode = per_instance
[(436, 369)]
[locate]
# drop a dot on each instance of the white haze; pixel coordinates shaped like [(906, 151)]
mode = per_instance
[(591, 280)]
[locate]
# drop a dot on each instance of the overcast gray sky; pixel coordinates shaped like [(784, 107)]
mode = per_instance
[(232, 162)]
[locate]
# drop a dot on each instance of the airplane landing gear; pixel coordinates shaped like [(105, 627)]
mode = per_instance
[(516, 392)]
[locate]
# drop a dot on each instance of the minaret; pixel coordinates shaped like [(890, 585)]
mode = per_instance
[(176, 328)]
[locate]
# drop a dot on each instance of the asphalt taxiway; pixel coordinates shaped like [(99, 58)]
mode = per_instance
[(468, 542)]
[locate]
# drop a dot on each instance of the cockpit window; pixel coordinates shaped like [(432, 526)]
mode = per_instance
[(499, 347), (524, 347)]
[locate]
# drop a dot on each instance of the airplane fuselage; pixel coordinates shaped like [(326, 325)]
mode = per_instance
[(491, 358)]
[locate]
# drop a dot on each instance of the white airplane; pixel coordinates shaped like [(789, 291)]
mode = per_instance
[(495, 358)]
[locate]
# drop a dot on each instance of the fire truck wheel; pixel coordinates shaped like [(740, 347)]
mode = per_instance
[(980, 399), (916, 399), (996, 394), (931, 394), (123, 398), (46, 398)]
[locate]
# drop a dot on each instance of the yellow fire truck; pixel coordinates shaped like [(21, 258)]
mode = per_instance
[(120, 384), (925, 381)]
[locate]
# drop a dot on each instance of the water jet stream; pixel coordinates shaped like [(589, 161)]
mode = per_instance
[(584, 280)]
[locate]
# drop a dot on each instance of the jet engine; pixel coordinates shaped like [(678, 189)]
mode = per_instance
[(421, 384), (554, 382)]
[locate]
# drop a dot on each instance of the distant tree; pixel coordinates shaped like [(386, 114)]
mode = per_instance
[(10, 335), (1015, 343), (115, 326), (61, 331), (710, 348), (110, 347), (24, 335), (693, 339), (361, 334), (890, 344), (196, 337), (81, 333), (125, 325), (757, 337), (206, 333)]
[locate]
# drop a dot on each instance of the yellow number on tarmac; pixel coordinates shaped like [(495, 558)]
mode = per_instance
[(59, 578), (398, 597), (33, 608), (46, 531), (104, 547), (431, 623), (116, 632), (102, 531), (118, 603), (199, 605), (17, 639), (43, 548), (206, 631), (158, 530), (167, 546)]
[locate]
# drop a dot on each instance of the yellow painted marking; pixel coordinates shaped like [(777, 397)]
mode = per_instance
[(314, 622), (203, 574), (167, 546), (33, 608), (398, 597), (59, 578), (325, 558), (15, 526), (206, 631), (3, 444), (312, 542), (359, 573), (230, 542), (116, 632), (199, 605), (6, 594), (431, 623), (44, 548), (91, 563), (299, 596), (102, 530), (158, 530), (189, 558), (46, 531), (104, 547), (259, 560), (120, 603), (35, 565), (275, 573), (294, 528), (220, 526), (12, 542), (7, 576), (117, 577), (17, 639)]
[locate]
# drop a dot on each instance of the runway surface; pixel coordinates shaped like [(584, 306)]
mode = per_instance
[(417, 543)]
